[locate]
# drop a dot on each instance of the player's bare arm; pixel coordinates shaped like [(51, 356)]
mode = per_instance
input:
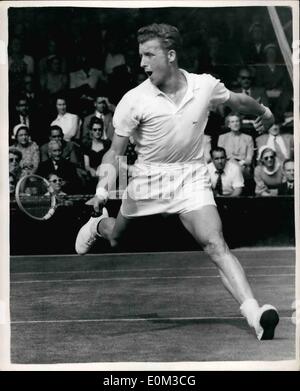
[(246, 105), (108, 171)]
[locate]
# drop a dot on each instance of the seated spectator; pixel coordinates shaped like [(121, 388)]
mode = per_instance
[(12, 185), (19, 63), (56, 185), (238, 146), (253, 49), (70, 123), (268, 173), (226, 176), (103, 110), (86, 79), (52, 52), (283, 144), (245, 86), (287, 187), (15, 156), (61, 167), (29, 91), (53, 80), (22, 115), (28, 148), (70, 151), (114, 57), (274, 78), (96, 147)]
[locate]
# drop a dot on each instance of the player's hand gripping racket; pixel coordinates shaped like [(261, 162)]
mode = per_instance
[(35, 197)]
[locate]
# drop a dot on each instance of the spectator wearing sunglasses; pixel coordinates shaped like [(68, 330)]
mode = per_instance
[(96, 147), (268, 173), (245, 85), (56, 184)]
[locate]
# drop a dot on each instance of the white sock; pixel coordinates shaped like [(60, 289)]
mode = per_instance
[(249, 310)]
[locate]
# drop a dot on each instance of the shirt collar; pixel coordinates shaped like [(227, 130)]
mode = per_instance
[(189, 80)]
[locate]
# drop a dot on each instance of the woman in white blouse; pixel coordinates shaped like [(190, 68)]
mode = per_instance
[(70, 123)]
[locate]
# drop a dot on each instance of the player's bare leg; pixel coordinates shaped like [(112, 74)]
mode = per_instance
[(112, 229), (206, 227)]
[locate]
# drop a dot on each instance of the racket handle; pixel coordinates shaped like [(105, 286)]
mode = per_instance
[(96, 214)]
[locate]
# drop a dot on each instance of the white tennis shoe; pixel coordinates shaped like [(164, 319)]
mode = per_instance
[(88, 234), (267, 320)]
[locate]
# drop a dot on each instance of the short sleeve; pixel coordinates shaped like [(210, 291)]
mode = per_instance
[(220, 94), (126, 118)]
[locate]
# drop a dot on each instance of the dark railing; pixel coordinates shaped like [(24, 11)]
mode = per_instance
[(247, 221)]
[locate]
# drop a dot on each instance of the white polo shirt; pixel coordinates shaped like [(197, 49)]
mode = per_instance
[(164, 132), (232, 176)]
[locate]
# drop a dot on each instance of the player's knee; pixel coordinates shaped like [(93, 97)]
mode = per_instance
[(215, 246)]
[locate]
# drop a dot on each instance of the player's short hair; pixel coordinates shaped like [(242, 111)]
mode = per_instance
[(217, 149), (232, 114), (168, 35)]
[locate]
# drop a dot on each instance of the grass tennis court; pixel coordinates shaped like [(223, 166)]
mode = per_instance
[(146, 307)]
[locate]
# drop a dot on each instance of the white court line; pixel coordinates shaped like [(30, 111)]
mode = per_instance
[(152, 269), (141, 278), (250, 249), (116, 320)]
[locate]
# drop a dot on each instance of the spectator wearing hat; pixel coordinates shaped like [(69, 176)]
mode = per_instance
[(70, 123), (226, 176), (103, 110), (287, 186), (283, 144), (28, 148), (15, 157), (268, 173)]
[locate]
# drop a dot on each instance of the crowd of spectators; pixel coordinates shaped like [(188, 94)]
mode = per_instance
[(69, 69)]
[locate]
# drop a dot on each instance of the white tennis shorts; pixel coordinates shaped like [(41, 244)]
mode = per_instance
[(167, 188)]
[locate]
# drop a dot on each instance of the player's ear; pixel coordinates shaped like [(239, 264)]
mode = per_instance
[(172, 55)]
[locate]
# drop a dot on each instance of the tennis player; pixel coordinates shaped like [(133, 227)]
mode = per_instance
[(166, 115)]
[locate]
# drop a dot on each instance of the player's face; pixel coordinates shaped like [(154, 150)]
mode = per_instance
[(234, 123), (61, 106), (154, 61), (23, 137), (219, 160), (289, 171)]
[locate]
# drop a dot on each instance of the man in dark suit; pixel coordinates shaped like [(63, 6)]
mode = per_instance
[(287, 187), (21, 114), (61, 167), (245, 81)]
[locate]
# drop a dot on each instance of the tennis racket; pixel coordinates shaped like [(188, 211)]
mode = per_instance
[(36, 198)]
